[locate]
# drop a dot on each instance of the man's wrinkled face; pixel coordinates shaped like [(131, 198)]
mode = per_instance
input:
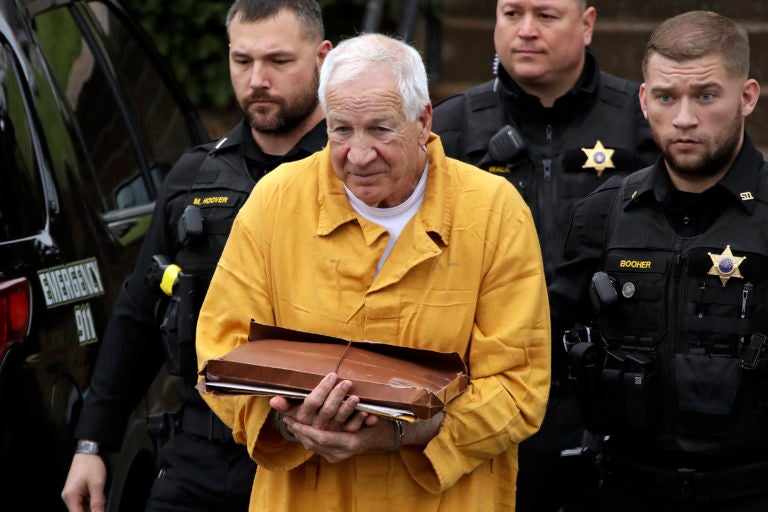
[(540, 42), (376, 152), (696, 111), (274, 71)]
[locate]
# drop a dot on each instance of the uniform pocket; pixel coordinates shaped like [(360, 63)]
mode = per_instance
[(706, 385), (639, 317)]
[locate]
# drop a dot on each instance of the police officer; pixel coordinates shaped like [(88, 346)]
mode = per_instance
[(275, 50), (557, 127), (675, 259)]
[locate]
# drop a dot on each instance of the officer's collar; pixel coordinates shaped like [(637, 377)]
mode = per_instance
[(741, 181), (240, 136), (232, 138), (312, 141)]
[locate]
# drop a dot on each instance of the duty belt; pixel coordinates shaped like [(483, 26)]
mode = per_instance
[(204, 423), (688, 484)]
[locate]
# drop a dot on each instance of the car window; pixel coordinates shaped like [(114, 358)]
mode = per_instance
[(156, 110), (101, 121), (22, 210)]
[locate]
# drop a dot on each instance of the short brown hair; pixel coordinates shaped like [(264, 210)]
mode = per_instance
[(308, 12), (696, 34)]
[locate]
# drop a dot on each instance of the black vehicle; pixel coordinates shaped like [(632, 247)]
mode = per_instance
[(91, 120)]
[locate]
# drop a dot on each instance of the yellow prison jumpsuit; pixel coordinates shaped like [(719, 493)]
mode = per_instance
[(465, 275)]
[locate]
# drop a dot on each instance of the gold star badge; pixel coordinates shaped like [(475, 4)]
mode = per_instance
[(598, 158), (726, 265)]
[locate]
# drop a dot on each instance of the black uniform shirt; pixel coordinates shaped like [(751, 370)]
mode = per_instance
[(533, 119), (260, 163), (554, 170), (132, 353), (689, 214)]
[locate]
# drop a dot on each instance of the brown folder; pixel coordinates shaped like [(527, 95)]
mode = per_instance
[(414, 383)]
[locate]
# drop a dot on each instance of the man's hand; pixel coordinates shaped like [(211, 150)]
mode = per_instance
[(336, 446), (327, 407), (84, 488), (326, 423)]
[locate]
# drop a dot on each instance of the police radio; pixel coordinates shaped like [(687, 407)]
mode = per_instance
[(602, 291), (505, 145)]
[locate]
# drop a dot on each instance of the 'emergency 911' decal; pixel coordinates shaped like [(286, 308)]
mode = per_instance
[(72, 282), (86, 332)]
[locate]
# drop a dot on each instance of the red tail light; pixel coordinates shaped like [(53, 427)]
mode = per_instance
[(15, 311)]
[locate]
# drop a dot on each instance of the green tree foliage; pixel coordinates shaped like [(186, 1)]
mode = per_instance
[(192, 36)]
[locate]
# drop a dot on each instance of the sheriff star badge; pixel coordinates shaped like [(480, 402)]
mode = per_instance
[(598, 158), (726, 265)]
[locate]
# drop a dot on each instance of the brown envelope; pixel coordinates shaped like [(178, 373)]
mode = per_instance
[(280, 361)]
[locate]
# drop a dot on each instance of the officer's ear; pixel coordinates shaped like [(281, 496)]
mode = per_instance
[(588, 24), (642, 95), (750, 93), (321, 51)]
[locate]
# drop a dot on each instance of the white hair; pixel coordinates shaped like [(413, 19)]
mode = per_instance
[(370, 53)]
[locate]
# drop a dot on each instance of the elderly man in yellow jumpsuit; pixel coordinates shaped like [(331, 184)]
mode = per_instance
[(381, 237)]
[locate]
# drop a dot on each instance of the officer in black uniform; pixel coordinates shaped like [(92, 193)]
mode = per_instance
[(557, 127), (276, 49), (674, 259)]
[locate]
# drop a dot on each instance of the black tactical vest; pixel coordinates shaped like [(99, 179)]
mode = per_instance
[(219, 189), (551, 176), (686, 309)]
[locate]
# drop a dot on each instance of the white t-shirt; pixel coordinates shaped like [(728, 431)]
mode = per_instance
[(392, 219)]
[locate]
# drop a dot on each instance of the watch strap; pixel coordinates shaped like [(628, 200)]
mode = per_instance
[(87, 447), (397, 436)]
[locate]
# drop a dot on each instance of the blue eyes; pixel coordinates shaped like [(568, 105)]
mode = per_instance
[(703, 97)]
